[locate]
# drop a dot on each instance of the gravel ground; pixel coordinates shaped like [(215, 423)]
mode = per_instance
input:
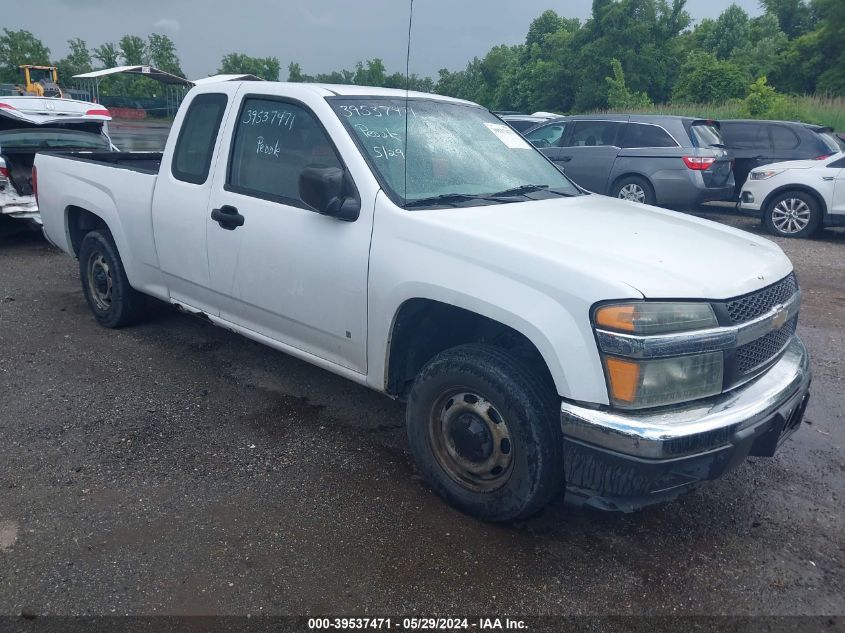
[(176, 468)]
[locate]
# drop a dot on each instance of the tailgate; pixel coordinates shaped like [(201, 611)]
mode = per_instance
[(706, 135), (719, 174)]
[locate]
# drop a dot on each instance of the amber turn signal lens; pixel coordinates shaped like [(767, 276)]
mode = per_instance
[(624, 378), (619, 317)]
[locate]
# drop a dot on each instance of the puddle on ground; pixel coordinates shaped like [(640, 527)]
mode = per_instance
[(8, 534)]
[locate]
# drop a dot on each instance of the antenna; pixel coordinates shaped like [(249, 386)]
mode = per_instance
[(407, 89)]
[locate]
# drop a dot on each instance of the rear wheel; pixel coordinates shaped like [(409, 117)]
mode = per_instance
[(793, 214), (635, 189), (112, 300), (485, 432)]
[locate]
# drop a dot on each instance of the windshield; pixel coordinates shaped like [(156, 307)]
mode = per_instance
[(455, 154), (52, 138)]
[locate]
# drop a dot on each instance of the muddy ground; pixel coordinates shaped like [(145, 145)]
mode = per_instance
[(178, 468)]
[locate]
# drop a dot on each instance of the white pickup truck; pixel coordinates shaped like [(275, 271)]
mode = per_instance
[(542, 336)]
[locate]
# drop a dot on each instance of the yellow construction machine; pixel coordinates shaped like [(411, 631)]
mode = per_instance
[(39, 81)]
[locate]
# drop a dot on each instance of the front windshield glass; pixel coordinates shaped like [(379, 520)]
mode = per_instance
[(52, 138), (455, 154)]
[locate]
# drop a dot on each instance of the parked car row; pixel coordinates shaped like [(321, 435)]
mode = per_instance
[(680, 162)]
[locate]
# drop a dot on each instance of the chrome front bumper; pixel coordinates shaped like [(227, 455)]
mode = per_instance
[(703, 425), (626, 460)]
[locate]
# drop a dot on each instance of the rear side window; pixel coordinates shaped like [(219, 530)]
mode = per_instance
[(274, 141), (832, 142), (706, 135), (548, 136), (197, 137), (594, 134), (642, 135), (783, 137), (746, 136)]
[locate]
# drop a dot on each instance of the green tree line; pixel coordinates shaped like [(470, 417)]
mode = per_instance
[(627, 54)]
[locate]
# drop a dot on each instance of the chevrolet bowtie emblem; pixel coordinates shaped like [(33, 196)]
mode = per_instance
[(779, 317)]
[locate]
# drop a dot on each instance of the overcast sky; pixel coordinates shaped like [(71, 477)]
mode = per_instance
[(322, 35)]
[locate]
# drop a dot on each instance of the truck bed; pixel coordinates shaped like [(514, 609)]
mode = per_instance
[(144, 162), (117, 187)]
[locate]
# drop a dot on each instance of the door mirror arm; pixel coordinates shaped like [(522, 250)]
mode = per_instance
[(330, 191)]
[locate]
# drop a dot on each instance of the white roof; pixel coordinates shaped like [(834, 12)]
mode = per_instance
[(342, 90), (348, 90), (216, 78)]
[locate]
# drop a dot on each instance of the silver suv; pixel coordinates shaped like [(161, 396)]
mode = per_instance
[(670, 161)]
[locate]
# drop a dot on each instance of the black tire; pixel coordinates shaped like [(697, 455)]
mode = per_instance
[(807, 216), (634, 185), (528, 446), (112, 300)]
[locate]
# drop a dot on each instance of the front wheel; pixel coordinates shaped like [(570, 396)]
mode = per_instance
[(112, 300), (634, 189), (485, 432), (793, 214)]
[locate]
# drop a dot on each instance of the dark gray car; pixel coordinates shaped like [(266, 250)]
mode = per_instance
[(754, 143), (670, 161)]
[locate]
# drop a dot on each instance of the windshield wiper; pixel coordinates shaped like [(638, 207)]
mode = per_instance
[(449, 198), (523, 189)]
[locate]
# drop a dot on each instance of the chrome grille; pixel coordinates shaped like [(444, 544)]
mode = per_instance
[(757, 303), (752, 355)]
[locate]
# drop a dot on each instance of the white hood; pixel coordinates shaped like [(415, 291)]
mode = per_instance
[(660, 253), (790, 164)]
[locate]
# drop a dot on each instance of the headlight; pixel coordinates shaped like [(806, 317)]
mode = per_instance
[(649, 317), (634, 383), (765, 174), (651, 383)]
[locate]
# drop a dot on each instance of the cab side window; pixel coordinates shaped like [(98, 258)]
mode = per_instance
[(197, 138), (594, 134), (274, 141)]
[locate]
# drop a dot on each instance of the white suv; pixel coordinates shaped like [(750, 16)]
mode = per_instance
[(798, 197)]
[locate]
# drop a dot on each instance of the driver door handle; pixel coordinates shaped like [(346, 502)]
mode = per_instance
[(565, 159), (227, 217)]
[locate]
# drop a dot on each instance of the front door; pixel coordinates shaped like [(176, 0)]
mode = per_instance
[(287, 272), (589, 151)]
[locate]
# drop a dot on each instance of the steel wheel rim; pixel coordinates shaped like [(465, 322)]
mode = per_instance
[(633, 192), (461, 414), (791, 215), (100, 282)]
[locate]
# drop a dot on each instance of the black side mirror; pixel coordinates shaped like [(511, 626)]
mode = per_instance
[(330, 191)]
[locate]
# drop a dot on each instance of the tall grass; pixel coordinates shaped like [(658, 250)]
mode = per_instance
[(828, 111)]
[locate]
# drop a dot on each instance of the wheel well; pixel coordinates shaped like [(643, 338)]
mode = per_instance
[(81, 222), (803, 189), (630, 174), (423, 328)]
